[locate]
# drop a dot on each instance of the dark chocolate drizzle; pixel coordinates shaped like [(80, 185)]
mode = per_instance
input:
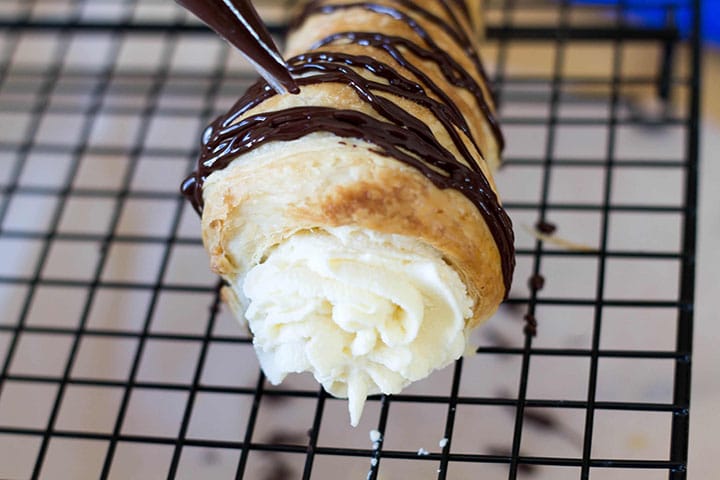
[(455, 74), (397, 134), (455, 31), (541, 419), (334, 68)]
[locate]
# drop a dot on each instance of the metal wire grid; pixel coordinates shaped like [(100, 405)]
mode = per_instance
[(84, 258)]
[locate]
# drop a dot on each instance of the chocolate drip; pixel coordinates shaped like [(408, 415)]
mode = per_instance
[(238, 23), (451, 70), (414, 145)]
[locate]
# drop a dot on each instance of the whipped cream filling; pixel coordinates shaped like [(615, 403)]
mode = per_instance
[(364, 312)]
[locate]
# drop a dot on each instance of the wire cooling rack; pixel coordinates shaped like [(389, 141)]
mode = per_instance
[(118, 360)]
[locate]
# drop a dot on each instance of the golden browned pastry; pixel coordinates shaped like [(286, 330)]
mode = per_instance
[(357, 223)]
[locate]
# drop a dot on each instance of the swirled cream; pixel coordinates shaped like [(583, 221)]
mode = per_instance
[(364, 312)]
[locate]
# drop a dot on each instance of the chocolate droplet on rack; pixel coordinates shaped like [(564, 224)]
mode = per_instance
[(536, 282), (546, 227), (238, 22), (541, 419), (531, 325)]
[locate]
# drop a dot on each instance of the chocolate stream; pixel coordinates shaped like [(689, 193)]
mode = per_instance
[(238, 22)]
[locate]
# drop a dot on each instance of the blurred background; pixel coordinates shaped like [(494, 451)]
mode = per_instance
[(647, 12), (706, 387)]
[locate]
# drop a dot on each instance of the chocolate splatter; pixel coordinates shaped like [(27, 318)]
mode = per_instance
[(542, 420), (531, 325), (279, 471), (546, 227), (503, 451), (536, 282), (283, 437)]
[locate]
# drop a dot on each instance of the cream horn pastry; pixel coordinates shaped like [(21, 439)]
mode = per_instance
[(357, 224)]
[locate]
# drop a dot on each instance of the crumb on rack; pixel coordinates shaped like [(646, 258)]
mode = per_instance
[(422, 452), (443, 442), (375, 436)]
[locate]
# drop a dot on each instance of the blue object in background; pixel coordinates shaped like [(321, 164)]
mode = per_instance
[(648, 13)]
